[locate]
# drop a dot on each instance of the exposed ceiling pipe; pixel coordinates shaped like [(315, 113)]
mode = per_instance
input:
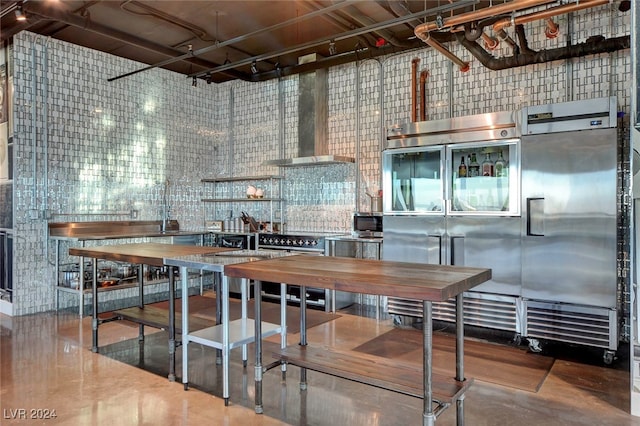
[(503, 36), (552, 29), (414, 78), (464, 66), (345, 58), (490, 43), (548, 13), (370, 53), (522, 39), (593, 46), (423, 94), (423, 30)]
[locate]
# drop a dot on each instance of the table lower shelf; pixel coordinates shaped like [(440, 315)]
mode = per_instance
[(241, 332), (391, 374), (159, 318)]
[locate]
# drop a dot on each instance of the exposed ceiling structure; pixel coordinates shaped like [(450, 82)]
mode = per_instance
[(218, 41)]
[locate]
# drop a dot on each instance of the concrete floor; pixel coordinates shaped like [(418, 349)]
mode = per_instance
[(46, 366)]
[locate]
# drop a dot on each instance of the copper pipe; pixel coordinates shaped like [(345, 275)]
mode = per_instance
[(423, 94), (422, 31), (414, 101), (464, 66), (490, 43), (549, 13), (552, 29)]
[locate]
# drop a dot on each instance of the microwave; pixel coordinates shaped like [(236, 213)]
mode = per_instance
[(367, 224)]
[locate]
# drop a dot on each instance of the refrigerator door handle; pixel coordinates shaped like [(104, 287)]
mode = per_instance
[(437, 245), (535, 217), (457, 257)]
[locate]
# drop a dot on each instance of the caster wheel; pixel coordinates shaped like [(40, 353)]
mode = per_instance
[(608, 357), (535, 346), (517, 340)]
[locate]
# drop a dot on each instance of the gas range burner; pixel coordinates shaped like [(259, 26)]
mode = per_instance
[(314, 243)]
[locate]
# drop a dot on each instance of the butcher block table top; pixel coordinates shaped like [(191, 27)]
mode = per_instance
[(397, 279), (142, 253)]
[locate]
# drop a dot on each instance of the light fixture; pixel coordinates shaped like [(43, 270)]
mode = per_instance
[(208, 78), (194, 82), (332, 48), (254, 67), (20, 16), (227, 61)]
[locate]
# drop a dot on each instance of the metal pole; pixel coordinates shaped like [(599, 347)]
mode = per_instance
[(428, 416)]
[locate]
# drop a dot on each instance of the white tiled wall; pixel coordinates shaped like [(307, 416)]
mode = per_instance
[(154, 126)]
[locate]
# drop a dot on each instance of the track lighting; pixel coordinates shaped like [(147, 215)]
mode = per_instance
[(254, 67), (194, 82), (208, 78), (20, 16)]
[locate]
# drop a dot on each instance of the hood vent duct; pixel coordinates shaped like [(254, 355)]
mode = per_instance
[(312, 122)]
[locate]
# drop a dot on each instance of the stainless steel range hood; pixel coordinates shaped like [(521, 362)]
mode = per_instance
[(312, 122)]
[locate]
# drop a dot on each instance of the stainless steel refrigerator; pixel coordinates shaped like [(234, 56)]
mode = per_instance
[(570, 288), (530, 194)]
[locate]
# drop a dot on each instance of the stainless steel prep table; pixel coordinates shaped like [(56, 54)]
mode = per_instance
[(80, 232), (142, 254), (229, 334), (424, 282)]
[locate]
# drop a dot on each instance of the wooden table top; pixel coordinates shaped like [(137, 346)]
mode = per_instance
[(143, 253), (382, 277)]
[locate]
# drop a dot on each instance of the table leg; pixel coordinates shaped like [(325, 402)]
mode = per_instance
[(225, 339), (185, 328), (81, 286), (283, 325), (94, 302), (244, 299), (303, 332), (216, 284), (257, 288), (172, 326), (141, 300), (428, 416), (57, 280), (460, 355)]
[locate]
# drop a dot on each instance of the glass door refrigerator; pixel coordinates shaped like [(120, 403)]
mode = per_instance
[(451, 196)]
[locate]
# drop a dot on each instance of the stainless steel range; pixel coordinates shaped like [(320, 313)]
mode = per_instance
[(293, 242), (312, 244)]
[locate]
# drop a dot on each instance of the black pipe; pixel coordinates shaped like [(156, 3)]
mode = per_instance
[(522, 39), (593, 46)]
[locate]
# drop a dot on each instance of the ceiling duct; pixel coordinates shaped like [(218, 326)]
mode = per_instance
[(313, 147)]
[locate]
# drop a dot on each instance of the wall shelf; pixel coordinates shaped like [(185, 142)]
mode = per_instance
[(229, 190)]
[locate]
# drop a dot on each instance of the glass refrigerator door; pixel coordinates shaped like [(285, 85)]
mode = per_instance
[(412, 180), (484, 178)]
